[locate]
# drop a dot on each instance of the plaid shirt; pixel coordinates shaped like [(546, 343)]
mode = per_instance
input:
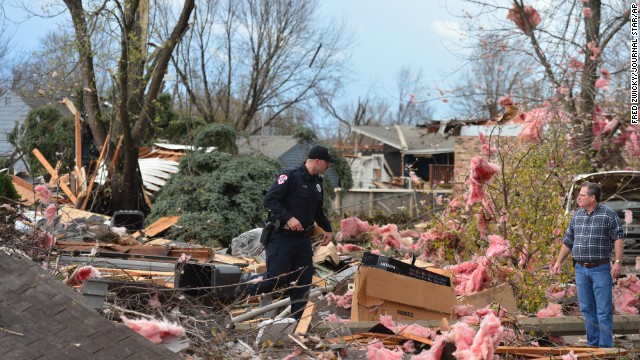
[(591, 236)]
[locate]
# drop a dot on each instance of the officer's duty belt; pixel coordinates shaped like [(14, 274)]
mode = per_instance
[(301, 234)]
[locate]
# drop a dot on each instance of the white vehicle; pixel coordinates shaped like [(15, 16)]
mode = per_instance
[(620, 192)]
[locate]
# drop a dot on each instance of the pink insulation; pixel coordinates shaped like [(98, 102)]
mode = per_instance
[(558, 291), (412, 329), (434, 353), (484, 342), (349, 247), (81, 274), (376, 351), (630, 282), (353, 227), (461, 335), (343, 301), (625, 301), (498, 246), (409, 233), (552, 310), (531, 130), (628, 216), (294, 354), (154, 330), (527, 23), (43, 194), (480, 172), (486, 148)]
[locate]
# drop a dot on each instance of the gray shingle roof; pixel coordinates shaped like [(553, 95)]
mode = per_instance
[(409, 139), (270, 146), (50, 321)]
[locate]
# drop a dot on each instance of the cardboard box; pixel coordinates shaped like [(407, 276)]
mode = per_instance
[(501, 294), (379, 292), (402, 268)]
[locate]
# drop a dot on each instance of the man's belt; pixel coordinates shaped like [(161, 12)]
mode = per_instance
[(590, 265), (298, 234)]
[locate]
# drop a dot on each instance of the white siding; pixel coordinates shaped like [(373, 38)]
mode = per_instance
[(12, 111)]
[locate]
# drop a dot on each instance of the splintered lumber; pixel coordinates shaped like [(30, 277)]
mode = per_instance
[(305, 319), (78, 138), (201, 254), (68, 213), (130, 272), (116, 153), (158, 226), (315, 293), (24, 189), (95, 172), (229, 259), (54, 174), (539, 353)]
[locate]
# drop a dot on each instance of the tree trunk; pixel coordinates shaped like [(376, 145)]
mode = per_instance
[(83, 45)]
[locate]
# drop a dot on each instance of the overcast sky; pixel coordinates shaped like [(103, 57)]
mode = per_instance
[(388, 35), (421, 34)]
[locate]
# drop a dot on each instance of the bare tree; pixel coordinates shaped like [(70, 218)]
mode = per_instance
[(138, 80), (495, 73), (247, 64), (570, 42), (411, 97), (4, 50)]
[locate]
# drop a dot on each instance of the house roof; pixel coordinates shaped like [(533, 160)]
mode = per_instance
[(45, 319), (35, 100), (409, 139), (270, 146)]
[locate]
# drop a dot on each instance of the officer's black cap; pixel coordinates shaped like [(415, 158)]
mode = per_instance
[(320, 153)]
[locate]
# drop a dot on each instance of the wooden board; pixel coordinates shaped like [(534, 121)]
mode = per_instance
[(54, 174), (203, 255), (158, 226), (24, 189), (68, 213), (305, 319)]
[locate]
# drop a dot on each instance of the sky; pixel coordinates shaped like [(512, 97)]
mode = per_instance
[(387, 35)]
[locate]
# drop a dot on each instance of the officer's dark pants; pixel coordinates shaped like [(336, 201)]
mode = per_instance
[(293, 256)]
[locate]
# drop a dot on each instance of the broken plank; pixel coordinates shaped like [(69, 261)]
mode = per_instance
[(545, 350), (134, 272), (158, 226), (68, 213), (24, 189), (228, 259), (305, 319), (54, 174), (593, 354), (95, 172), (201, 254)]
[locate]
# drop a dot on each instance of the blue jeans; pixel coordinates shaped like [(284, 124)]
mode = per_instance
[(291, 256), (595, 296)]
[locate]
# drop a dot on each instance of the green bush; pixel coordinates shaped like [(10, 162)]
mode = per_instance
[(50, 132), (218, 196), (221, 136), (7, 189)]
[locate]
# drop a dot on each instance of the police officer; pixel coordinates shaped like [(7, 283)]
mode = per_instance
[(295, 199)]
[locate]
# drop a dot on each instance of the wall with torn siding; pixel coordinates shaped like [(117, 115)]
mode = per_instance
[(12, 111)]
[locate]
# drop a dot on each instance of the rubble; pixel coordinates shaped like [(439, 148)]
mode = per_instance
[(184, 297)]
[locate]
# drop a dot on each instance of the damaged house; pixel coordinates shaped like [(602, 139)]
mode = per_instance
[(14, 109)]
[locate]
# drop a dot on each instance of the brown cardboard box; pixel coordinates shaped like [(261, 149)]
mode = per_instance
[(501, 294), (379, 292)]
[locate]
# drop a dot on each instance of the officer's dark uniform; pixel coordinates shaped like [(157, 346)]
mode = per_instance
[(295, 193)]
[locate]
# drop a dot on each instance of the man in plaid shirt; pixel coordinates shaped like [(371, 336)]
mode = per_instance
[(594, 231)]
